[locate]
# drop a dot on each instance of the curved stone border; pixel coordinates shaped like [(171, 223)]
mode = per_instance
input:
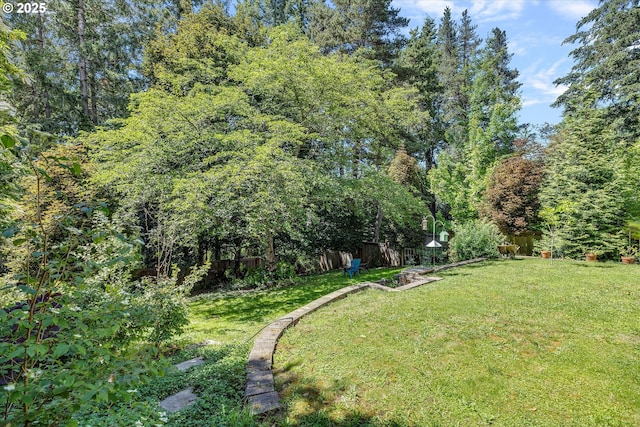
[(260, 391)]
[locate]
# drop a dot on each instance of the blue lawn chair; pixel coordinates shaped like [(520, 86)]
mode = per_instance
[(353, 269)]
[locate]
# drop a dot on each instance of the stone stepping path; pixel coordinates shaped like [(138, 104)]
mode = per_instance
[(186, 397), (179, 400), (260, 391), (189, 364)]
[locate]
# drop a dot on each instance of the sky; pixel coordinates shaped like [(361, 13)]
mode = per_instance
[(535, 31)]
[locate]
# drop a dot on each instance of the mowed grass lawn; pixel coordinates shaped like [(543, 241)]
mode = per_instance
[(231, 317), (523, 342)]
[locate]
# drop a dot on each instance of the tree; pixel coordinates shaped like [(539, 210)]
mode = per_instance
[(449, 75), (418, 65), (403, 168), (199, 53), (252, 150), (485, 110), (278, 12), (354, 116), (351, 25), (606, 61), (511, 198), (494, 103), (83, 61), (584, 175)]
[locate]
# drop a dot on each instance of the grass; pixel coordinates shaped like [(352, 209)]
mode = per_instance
[(515, 343), (235, 316), (232, 319)]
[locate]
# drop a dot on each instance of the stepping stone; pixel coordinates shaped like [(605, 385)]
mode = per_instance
[(211, 342), (263, 403), (179, 400), (189, 364)]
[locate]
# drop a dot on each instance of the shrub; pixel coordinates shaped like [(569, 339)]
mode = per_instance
[(475, 239), (70, 339)]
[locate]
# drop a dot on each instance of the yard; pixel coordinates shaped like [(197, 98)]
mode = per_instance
[(512, 343)]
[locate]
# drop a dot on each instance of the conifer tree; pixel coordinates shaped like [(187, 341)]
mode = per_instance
[(351, 25), (83, 62), (494, 103), (418, 65), (584, 183), (606, 64)]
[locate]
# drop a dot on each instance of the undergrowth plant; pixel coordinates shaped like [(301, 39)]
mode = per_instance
[(74, 336)]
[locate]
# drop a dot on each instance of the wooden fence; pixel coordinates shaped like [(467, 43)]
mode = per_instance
[(525, 241), (371, 253), (380, 255)]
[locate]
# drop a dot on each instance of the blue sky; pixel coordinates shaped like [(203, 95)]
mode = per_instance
[(535, 30)]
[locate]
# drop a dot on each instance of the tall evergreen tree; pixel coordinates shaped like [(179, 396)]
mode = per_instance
[(483, 123), (586, 185), (277, 12), (494, 103), (469, 43), (607, 60), (355, 24), (449, 74), (418, 65), (83, 61)]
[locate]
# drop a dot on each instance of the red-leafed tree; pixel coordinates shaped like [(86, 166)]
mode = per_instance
[(511, 199)]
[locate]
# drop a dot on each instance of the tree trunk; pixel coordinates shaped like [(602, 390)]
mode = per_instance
[(94, 99), (270, 252), (356, 159), (44, 95), (82, 61), (376, 233)]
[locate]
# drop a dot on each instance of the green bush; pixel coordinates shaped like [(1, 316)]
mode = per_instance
[(70, 333), (475, 239), (282, 273)]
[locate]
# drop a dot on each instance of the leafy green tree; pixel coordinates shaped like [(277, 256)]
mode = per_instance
[(352, 113), (606, 59), (246, 153), (199, 53)]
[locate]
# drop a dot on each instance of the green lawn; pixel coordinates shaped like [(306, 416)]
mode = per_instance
[(521, 342), (234, 316)]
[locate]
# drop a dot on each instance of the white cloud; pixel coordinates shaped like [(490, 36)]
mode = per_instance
[(533, 43), (432, 7), (540, 83), (497, 10), (479, 10), (528, 102), (572, 10)]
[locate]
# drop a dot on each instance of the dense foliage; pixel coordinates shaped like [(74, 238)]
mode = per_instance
[(149, 138), (511, 199), (592, 188), (475, 239)]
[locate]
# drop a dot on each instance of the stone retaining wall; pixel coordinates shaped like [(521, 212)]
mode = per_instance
[(260, 391)]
